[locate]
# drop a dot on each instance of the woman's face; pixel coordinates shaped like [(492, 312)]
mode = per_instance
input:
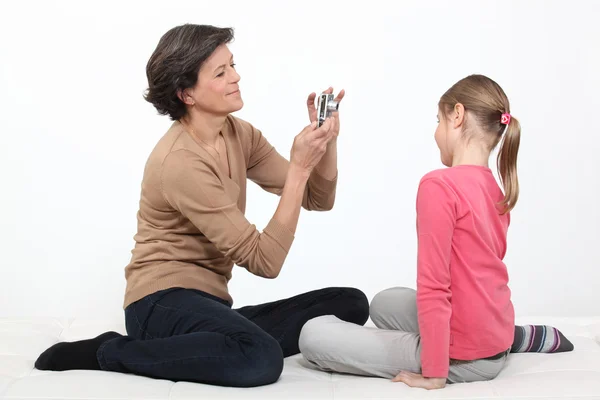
[(217, 90)]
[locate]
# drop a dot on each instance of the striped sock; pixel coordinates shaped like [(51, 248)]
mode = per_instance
[(539, 339)]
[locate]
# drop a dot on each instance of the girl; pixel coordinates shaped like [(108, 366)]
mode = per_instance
[(458, 326)]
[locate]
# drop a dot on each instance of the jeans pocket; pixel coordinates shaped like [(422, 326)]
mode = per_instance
[(134, 322)]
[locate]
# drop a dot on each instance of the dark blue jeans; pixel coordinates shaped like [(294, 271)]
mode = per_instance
[(188, 335)]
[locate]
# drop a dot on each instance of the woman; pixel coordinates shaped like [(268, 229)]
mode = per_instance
[(191, 230)]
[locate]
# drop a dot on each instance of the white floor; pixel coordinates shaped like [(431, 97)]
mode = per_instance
[(574, 375)]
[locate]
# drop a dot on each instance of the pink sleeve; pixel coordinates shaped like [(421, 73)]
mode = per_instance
[(436, 216)]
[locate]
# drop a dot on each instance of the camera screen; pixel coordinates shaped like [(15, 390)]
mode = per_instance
[(323, 106)]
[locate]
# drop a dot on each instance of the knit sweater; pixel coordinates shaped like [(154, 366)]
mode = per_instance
[(191, 227), (463, 299)]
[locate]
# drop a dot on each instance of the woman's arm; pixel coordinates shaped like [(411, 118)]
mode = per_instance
[(269, 169), (191, 186), (288, 209)]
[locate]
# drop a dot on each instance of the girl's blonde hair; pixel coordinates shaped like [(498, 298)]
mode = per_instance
[(485, 100)]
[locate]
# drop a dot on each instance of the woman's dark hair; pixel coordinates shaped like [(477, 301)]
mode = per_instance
[(175, 63)]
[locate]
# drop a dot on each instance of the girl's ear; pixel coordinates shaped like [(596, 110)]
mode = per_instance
[(458, 116)]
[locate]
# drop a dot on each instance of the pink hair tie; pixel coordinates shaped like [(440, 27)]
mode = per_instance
[(506, 121)]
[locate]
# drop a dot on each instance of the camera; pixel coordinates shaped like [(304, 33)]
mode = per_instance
[(325, 106)]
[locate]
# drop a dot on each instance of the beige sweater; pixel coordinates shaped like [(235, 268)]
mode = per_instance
[(191, 223)]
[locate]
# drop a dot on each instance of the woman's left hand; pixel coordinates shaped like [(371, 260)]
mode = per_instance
[(417, 380), (335, 118)]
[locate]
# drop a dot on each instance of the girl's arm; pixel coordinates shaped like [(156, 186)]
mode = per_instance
[(436, 217)]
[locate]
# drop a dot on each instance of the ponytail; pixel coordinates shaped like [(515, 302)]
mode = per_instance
[(485, 100), (507, 164)]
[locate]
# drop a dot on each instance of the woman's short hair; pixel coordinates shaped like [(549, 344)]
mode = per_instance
[(175, 63)]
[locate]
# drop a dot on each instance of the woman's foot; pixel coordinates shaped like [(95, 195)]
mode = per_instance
[(73, 355)]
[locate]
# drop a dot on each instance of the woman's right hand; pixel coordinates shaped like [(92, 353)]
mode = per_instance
[(310, 145)]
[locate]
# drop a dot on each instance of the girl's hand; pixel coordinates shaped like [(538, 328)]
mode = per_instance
[(417, 380)]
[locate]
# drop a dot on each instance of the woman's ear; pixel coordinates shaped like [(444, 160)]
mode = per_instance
[(185, 97), (458, 116)]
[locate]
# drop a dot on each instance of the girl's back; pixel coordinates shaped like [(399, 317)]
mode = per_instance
[(462, 243)]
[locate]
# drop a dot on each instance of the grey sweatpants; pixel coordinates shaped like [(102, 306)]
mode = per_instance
[(333, 345)]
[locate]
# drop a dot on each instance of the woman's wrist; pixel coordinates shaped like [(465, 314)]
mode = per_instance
[(297, 174), (288, 210)]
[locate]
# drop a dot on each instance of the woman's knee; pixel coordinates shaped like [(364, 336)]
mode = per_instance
[(390, 300), (357, 306), (262, 363)]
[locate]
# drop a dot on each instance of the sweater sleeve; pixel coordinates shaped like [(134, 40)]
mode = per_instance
[(268, 169), (192, 186), (436, 217)]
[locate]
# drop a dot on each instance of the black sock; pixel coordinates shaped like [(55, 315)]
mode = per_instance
[(539, 339), (73, 355)]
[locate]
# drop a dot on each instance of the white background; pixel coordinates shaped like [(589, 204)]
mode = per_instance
[(76, 134)]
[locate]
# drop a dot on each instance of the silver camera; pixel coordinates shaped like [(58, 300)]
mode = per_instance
[(325, 106)]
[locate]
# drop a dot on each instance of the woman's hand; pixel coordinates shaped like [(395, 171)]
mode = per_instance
[(335, 117), (310, 145), (417, 380)]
